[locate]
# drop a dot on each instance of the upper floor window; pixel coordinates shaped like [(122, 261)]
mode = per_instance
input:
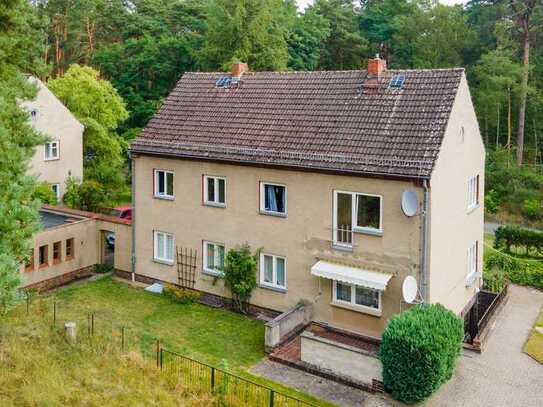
[(356, 212), (213, 258), (164, 184), (52, 150), (273, 199), (163, 247), (473, 192), (214, 191), (272, 271)]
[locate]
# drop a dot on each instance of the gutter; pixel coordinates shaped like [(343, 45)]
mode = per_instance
[(133, 195), (424, 244)]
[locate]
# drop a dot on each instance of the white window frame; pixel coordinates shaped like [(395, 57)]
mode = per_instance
[(352, 304), (472, 273), (263, 199), (48, 147), (206, 269), (354, 216), (156, 192), (473, 193), (215, 200), (161, 257), (273, 285), (56, 189)]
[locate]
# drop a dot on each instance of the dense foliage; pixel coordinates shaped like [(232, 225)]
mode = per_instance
[(88, 195), (516, 270), (530, 240), (240, 275), (45, 194), (419, 350), (19, 26), (181, 295)]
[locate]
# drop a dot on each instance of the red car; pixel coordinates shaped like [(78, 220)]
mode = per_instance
[(123, 212)]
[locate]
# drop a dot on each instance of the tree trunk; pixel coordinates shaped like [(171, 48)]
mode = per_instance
[(523, 93)]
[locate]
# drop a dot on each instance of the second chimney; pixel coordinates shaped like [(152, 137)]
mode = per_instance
[(376, 66), (238, 69)]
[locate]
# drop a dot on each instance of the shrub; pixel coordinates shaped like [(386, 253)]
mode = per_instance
[(518, 271), (102, 268), (531, 209), (492, 202), (45, 193), (508, 236), (419, 350), (240, 275), (181, 295), (87, 196)]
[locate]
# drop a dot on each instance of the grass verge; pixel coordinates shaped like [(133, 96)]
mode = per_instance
[(534, 345)]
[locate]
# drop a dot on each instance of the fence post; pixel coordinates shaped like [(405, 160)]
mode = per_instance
[(161, 358), (272, 396), (158, 354), (212, 379), (122, 339), (88, 325), (54, 313), (27, 303), (92, 324)]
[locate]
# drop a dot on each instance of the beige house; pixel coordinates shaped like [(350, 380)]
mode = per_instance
[(62, 155), (312, 167)]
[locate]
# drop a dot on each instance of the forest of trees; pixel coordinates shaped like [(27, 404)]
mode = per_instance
[(142, 47)]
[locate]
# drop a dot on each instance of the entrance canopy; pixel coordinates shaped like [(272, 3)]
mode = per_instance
[(351, 275)]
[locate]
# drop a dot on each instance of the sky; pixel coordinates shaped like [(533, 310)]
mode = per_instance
[(303, 3)]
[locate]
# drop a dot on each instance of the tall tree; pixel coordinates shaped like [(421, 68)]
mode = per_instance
[(19, 52), (523, 10), (252, 31)]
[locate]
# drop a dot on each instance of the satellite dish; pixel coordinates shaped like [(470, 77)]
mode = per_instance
[(410, 289), (410, 203)]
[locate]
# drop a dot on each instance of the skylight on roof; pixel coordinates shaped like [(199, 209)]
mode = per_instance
[(397, 81), (223, 81)]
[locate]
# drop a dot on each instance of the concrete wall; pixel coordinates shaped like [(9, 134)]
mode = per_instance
[(452, 227), (55, 121), (302, 237), (85, 245), (279, 328), (123, 242), (341, 359)]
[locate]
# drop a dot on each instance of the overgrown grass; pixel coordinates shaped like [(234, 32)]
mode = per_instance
[(218, 337), (534, 345)]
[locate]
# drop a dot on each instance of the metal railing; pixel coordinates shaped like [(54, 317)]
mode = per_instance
[(232, 390), (343, 235)]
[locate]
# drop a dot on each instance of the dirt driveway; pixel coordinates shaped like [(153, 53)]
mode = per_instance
[(502, 375)]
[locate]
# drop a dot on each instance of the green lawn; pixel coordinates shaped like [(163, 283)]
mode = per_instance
[(534, 345), (218, 337)]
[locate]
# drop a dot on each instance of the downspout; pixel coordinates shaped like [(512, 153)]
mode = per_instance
[(424, 244), (133, 195)]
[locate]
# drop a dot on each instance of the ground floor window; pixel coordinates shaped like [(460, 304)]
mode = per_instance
[(44, 256), (70, 249), (356, 296), (164, 243), (272, 271), (56, 252), (213, 258)]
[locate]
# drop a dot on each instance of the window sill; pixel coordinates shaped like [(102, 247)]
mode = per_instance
[(343, 247), (212, 273), (51, 159), (358, 308), (164, 197), (276, 214), (472, 209), (215, 205), (165, 262), (371, 232), (273, 288)]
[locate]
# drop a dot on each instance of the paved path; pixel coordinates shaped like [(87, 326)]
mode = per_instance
[(502, 375)]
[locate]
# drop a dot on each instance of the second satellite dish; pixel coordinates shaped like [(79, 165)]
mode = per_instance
[(410, 203), (410, 289)]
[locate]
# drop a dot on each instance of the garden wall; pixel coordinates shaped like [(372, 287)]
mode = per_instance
[(287, 324)]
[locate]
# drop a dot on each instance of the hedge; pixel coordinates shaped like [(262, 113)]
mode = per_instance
[(518, 271), (509, 236), (419, 349)]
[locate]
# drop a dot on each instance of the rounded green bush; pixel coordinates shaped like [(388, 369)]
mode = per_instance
[(419, 350)]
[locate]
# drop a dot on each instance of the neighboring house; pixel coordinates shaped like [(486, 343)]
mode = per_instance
[(311, 167), (62, 155)]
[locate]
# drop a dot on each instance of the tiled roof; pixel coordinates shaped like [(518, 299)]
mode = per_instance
[(330, 120)]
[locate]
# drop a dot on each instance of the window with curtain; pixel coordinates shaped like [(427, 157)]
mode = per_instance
[(356, 296), (164, 184), (356, 212), (213, 258), (164, 247), (273, 198), (214, 191), (273, 271)]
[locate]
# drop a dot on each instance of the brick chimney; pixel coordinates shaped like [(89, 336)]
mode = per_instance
[(376, 66), (238, 69)]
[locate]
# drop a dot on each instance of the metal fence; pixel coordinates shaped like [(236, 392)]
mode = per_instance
[(232, 390)]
